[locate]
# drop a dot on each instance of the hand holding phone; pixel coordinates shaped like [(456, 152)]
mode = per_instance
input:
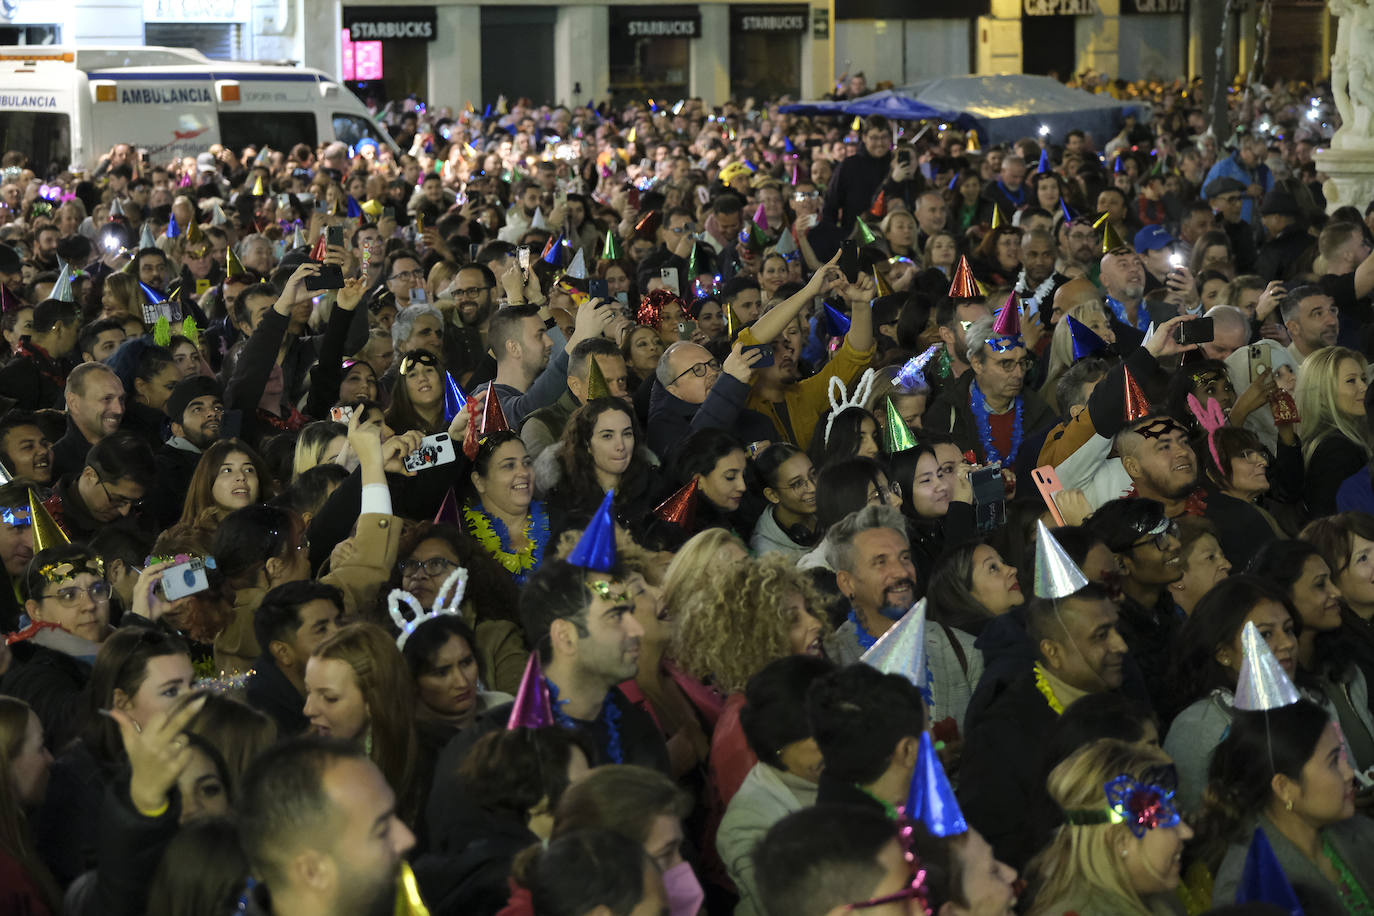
[(1047, 482), (434, 451)]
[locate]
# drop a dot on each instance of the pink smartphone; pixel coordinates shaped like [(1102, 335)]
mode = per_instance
[(1047, 482)]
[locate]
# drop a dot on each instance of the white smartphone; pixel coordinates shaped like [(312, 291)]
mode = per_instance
[(434, 451), (184, 579)]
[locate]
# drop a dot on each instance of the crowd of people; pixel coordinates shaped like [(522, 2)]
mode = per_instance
[(674, 509)]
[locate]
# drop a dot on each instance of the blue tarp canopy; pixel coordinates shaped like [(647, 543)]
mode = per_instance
[(1002, 108)]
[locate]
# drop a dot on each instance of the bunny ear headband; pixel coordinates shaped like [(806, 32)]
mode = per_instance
[(1211, 418), (840, 399), (446, 601)]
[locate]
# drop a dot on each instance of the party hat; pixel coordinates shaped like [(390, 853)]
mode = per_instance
[(1008, 321), (1262, 880), (117, 210), (595, 550), (1262, 684), (931, 800), (354, 210), (648, 224), (1111, 239), (577, 269), (8, 301), (899, 437), (455, 399), (996, 216), (836, 321), (46, 532), (173, 230), (531, 708), (1118, 164), (912, 375), (537, 221), (257, 187), (1044, 166), (681, 508), (233, 267), (611, 250), (596, 380), (373, 208), (788, 147), (1137, 406), (298, 238), (880, 285), (693, 263), (787, 243), (971, 144), (856, 124), (408, 899), (62, 287), (1056, 574), (193, 234), (493, 417), (866, 236), (1069, 215), (152, 295), (761, 218), (145, 236), (902, 649), (879, 208), (555, 253), (963, 286), (1085, 339), (448, 510)]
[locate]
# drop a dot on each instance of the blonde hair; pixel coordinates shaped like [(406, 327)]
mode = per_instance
[(1084, 856), (1321, 415), (1061, 345), (693, 562), (312, 443), (737, 620)]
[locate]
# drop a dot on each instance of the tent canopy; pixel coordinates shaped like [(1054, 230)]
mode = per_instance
[(1001, 108)]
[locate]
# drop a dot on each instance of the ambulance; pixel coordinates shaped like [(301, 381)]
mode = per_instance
[(67, 106)]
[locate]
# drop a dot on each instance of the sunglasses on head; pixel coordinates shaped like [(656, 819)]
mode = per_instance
[(421, 358)]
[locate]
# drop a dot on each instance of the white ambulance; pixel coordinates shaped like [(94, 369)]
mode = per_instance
[(65, 106)]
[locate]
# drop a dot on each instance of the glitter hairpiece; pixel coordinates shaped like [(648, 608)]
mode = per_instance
[(1003, 344), (1141, 805), (16, 517), (58, 572), (446, 601), (154, 559), (602, 589)]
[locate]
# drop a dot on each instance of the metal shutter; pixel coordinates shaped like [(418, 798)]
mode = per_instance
[(218, 41)]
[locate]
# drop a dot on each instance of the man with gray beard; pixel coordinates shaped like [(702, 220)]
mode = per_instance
[(1123, 283)]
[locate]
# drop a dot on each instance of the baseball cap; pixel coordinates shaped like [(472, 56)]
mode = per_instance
[(1219, 186), (1152, 238)]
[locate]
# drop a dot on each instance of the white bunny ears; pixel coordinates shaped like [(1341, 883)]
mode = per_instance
[(862, 389), (446, 601)]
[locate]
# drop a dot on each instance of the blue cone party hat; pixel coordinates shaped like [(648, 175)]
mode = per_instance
[(1056, 574), (554, 256), (931, 800), (152, 295), (173, 230), (1069, 215), (1263, 880), (454, 398), (1044, 163), (1085, 339), (788, 147), (62, 288), (836, 321), (354, 210), (595, 550)]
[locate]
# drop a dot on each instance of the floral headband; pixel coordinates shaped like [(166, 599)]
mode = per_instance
[(67, 569), (1141, 805)]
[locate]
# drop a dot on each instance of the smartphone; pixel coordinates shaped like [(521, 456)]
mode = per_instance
[(1260, 361), (231, 424), (685, 330), (334, 236), (522, 257), (329, 277), (703, 195), (560, 197), (1047, 482), (989, 499), (596, 289), (764, 361), (849, 260), (1197, 331), (341, 414), (434, 451), (184, 579), (418, 296), (904, 157), (389, 213), (669, 277)]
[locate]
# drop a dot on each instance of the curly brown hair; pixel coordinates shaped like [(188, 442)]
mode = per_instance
[(737, 621)]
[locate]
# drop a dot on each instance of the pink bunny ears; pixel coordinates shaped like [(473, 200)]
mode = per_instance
[(1211, 418)]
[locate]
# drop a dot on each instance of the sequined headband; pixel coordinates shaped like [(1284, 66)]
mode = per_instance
[(1139, 804), (58, 572), (16, 517), (1003, 344)]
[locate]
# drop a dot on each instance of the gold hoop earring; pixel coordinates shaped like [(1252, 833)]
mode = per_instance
[(1288, 805)]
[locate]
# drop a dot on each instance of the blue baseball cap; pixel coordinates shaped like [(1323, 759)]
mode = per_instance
[(1152, 238)]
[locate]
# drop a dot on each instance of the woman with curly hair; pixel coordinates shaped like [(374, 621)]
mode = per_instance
[(600, 451), (741, 618)]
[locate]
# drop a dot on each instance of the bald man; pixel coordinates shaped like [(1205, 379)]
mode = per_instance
[(1230, 331)]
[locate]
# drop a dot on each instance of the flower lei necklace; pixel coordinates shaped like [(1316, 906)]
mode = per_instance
[(610, 714), (1047, 691), (493, 535), (979, 406), (1029, 298)]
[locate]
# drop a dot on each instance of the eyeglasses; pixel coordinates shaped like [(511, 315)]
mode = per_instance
[(68, 597), (806, 483), (880, 493), (420, 358), (699, 370), (408, 275), (469, 292), (1161, 536), (803, 196), (1254, 455), (118, 500), (434, 566), (684, 228)]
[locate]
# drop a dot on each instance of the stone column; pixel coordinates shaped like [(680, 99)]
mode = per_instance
[(1349, 164)]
